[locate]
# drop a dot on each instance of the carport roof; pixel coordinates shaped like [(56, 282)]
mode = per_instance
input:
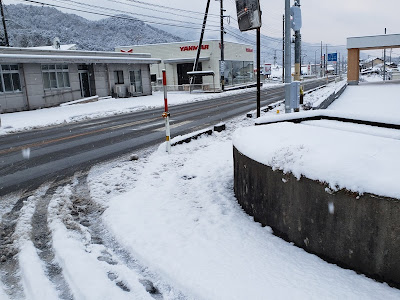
[(374, 42)]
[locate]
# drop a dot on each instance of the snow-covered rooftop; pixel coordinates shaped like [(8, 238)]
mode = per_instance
[(368, 60), (62, 47)]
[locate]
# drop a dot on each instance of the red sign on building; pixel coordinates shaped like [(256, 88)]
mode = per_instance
[(194, 48)]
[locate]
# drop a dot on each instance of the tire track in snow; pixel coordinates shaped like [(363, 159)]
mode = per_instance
[(9, 267), (115, 255), (35, 282), (90, 269), (14, 227), (42, 240)]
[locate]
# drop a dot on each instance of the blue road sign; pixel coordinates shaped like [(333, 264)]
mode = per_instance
[(332, 56)]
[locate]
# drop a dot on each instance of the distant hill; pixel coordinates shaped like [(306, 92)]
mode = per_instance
[(30, 26)]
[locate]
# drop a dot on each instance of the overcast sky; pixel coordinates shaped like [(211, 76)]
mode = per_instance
[(328, 21)]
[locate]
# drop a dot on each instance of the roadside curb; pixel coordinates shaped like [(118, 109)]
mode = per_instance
[(194, 136)]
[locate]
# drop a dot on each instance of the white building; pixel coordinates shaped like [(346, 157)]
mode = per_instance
[(36, 78), (178, 59)]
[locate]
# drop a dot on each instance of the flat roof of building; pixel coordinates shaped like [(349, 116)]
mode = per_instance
[(374, 42), (29, 55)]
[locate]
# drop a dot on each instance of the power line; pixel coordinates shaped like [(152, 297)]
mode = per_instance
[(109, 15), (247, 40), (173, 8), (157, 10), (118, 10)]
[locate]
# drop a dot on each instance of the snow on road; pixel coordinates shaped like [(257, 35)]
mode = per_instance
[(26, 120)]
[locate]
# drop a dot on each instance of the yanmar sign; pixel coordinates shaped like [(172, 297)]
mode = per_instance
[(194, 48)]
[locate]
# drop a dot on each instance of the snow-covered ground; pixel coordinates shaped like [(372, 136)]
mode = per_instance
[(26, 120), (379, 100), (371, 78), (173, 219)]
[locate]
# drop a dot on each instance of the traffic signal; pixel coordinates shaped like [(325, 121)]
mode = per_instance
[(249, 14), (296, 21)]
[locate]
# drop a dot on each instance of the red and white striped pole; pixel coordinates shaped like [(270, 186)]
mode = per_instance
[(166, 114)]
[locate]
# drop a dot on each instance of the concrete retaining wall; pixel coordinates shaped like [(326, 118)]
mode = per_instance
[(357, 232), (332, 97)]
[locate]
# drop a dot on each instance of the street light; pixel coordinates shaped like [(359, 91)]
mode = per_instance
[(302, 60), (315, 62)]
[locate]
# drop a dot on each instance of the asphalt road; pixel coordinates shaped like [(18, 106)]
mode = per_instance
[(58, 152)]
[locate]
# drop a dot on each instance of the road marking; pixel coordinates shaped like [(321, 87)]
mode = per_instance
[(174, 125), (148, 126)]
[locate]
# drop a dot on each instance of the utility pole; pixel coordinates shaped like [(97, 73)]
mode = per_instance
[(196, 62), (222, 67), (384, 62), (4, 24), (274, 58), (315, 63), (258, 72), (297, 51), (326, 61), (288, 57), (320, 69), (336, 64), (283, 51)]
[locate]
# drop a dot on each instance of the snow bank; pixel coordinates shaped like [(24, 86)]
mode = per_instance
[(358, 162)]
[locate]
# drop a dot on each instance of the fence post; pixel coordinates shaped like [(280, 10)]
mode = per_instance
[(166, 114)]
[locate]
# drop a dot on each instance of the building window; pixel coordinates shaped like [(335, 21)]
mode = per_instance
[(238, 72), (119, 77), (153, 77), (55, 76), (10, 81), (136, 80)]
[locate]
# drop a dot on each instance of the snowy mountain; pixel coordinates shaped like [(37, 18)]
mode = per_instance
[(30, 26)]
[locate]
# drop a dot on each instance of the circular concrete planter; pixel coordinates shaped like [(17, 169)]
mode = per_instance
[(357, 232)]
